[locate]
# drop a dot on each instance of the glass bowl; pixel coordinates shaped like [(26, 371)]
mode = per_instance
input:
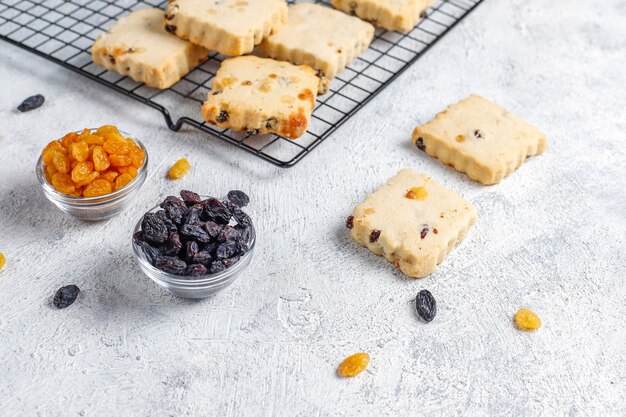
[(101, 207), (201, 286)]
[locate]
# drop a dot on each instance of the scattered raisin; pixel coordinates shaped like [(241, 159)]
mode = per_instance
[(420, 144), (65, 296), (179, 169), (222, 117), (426, 305), (353, 365), (350, 222), (3, 260), (238, 197), (527, 320), (374, 236), (424, 231), (31, 103)]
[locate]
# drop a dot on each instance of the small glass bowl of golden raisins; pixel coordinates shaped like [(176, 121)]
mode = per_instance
[(93, 174)]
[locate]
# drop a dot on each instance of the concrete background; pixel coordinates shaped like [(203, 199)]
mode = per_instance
[(551, 237)]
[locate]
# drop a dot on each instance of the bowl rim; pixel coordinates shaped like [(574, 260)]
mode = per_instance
[(193, 281), (106, 198)]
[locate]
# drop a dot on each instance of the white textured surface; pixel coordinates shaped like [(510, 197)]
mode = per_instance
[(550, 237)]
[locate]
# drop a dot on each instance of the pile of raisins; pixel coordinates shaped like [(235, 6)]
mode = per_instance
[(193, 237)]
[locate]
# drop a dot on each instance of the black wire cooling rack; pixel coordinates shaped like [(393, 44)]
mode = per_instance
[(64, 30)]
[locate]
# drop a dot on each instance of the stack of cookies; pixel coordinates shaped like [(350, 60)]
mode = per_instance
[(306, 46)]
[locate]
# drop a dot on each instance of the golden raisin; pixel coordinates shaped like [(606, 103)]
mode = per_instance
[(63, 183), (79, 151), (3, 260), (417, 193), (179, 169), (97, 187), (46, 154), (69, 138), (49, 171), (527, 320), (136, 155), (103, 130), (122, 180), (109, 176), (100, 159), (116, 145), (94, 140), (354, 364), (460, 138), (60, 161), (131, 170), (83, 171), (120, 160)]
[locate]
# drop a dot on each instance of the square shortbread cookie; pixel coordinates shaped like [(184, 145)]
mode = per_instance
[(479, 138), (260, 95), (231, 27), (400, 15), (412, 221), (323, 38), (138, 46)]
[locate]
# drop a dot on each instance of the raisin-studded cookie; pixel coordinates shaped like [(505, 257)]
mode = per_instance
[(400, 15), (232, 27), (260, 95), (412, 221), (325, 39), (138, 46), (479, 138)]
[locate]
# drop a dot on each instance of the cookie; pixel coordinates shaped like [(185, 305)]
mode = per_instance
[(138, 46), (232, 27), (323, 38), (479, 138), (400, 15), (261, 95), (412, 221)]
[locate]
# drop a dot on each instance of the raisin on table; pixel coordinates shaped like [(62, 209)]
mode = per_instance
[(31, 103), (65, 296), (426, 305)]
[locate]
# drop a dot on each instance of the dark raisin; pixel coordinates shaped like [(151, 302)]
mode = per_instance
[(374, 236), (170, 28), (216, 211), (166, 220), (194, 232), (424, 231), (196, 269), (191, 249), (173, 244), (203, 257), (154, 229), (478, 134), (222, 117), (350, 222), (175, 208), (193, 215), (150, 252), (212, 228), (420, 144), (190, 198), (229, 234), (171, 265), (241, 217), (31, 103), (65, 296), (426, 305), (238, 197), (216, 267), (209, 247), (226, 250), (245, 232)]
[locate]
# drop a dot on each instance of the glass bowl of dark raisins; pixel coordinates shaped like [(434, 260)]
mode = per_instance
[(194, 246), (101, 207)]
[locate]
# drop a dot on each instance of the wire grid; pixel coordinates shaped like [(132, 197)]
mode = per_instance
[(64, 30)]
